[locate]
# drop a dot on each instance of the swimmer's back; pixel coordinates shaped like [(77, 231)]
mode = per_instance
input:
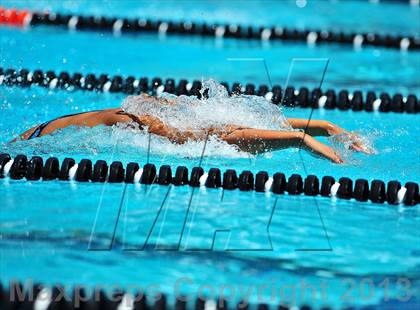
[(106, 117)]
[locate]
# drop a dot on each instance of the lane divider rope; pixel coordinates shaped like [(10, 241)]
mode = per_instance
[(409, 2), (303, 97), (377, 191), (268, 33)]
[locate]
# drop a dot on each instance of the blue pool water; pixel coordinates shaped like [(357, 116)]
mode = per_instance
[(45, 227)]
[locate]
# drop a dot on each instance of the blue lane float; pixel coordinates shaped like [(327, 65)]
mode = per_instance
[(392, 192)]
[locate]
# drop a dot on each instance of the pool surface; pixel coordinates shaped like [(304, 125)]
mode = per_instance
[(268, 248)]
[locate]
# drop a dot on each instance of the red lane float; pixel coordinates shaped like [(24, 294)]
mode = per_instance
[(13, 17)]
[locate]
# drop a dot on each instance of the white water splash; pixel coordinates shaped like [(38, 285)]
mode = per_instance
[(342, 144), (192, 113), (128, 138), (217, 110)]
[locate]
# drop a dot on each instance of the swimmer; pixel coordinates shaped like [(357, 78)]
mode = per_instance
[(247, 139)]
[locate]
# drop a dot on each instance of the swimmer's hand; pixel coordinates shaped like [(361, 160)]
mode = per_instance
[(358, 145), (352, 140)]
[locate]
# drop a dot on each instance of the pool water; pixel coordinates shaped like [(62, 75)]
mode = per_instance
[(46, 228)]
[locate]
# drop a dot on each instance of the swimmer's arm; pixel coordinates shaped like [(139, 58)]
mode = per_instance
[(325, 128), (257, 140), (316, 127)]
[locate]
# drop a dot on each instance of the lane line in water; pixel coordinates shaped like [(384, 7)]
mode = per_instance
[(254, 59), (100, 206), (154, 223), (192, 193), (327, 60), (118, 216), (329, 249)]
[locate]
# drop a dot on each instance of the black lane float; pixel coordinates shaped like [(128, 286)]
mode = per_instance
[(303, 97), (219, 31), (377, 191)]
